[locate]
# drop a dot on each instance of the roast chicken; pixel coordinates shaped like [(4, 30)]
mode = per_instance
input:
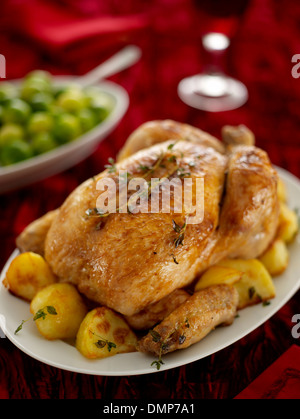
[(131, 262)]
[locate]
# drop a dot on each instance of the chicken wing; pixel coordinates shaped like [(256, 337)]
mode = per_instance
[(192, 320)]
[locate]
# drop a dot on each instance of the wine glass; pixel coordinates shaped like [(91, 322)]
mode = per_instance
[(213, 90)]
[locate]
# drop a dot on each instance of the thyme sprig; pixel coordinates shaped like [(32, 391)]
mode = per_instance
[(102, 342), (42, 313), (156, 337), (95, 212), (180, 230), (111, 166)]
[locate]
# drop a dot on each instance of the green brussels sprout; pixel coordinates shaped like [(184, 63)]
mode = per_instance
[(71, 100), (66, 128), (87, 119), (7, 92), (17, 111), (41, 101), (15, 152), (39, 122), (9, 132), (43, 142)]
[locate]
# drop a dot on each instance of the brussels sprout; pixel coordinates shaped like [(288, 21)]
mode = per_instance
[(39, 122), (102, 104), (87, 119), (72, 100), (41, 101), (39, 75), (66, 128), (43, 142), (11, 132), (17, 111), (31, 87), (14, 152), (7, 92)]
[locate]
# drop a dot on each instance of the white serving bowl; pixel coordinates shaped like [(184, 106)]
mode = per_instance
[(67, 155)]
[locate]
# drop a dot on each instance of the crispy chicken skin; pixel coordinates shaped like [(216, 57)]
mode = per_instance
[(155, 132), (130, 261), (192, 320)]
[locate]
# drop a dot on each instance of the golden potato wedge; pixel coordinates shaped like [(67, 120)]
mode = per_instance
[(218, 275), (281, 190), (276, 257), (69, 306), (288, 223), (104, 333), (256, 284), (27, 274)]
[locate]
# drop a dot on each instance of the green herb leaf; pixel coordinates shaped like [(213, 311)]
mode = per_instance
[(176, 227), (182, 338), (111, 345), (19, 327), (155, 335), (39, 314), (143, 167), (251, 292), (174, 258), (100, 343), (111, 167), (158, 364)]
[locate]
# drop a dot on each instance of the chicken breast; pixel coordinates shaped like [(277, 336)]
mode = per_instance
[(192, 321)]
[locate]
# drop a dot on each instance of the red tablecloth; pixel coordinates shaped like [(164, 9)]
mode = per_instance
[(71, 37)]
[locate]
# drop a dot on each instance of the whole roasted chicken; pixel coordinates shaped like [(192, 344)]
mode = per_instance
[(131, 261)]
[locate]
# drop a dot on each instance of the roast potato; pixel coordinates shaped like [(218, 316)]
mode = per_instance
[(276, 257), (250, 278), (256, 284), (288, 223), (218, 275), (69, 307), (281, 190), (27, 274), (104, 333)]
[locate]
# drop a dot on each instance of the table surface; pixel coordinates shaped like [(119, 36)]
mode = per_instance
[(260, 55)]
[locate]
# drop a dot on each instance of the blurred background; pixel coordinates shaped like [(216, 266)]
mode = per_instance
[(74, 36)]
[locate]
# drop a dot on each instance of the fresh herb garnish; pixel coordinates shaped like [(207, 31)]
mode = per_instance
[(181, 231), (181, 339), (174, 259), (112, 166), (156, 337), (181, 173), (42, 313), (101, 343), (143, 167), (158, 363), (251, 292)]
